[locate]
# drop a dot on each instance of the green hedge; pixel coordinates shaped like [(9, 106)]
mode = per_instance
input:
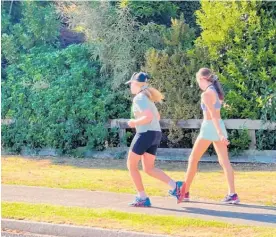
[(58, 100), (62, 98)]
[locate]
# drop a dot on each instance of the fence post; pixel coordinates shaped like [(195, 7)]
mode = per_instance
[(252, 135), (115, 123), (122, 133)]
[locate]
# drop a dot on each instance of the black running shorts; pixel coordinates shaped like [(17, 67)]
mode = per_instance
[(146, 142)]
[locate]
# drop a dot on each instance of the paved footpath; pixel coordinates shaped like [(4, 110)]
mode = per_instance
[(10, 234), (247, 214)]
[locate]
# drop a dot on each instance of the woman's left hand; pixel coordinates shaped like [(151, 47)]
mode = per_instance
[(131, 123), (223, 139)]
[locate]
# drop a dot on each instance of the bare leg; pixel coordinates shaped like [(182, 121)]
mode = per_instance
[(148, 161), (199, 149), (132, 165), (222, 152)]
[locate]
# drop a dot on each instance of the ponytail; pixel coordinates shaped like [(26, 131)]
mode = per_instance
[(209, 76), (217, 86), (153, 94)]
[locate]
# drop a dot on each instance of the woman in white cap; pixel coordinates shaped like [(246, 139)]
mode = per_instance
[(147, 139)]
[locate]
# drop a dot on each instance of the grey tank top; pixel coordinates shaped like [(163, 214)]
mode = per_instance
[(142, 103)]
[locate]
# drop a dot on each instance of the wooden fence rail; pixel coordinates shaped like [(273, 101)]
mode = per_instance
[(250, 125)]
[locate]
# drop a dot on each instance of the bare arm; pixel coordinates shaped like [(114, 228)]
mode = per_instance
[(146, 117)]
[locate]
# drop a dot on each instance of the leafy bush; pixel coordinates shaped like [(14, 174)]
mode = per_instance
[(152, 11), (266, 140), (240, 141), (63, 98), (240, 38), (173, 72), (56, 96), (161, 12), (58, 100), (114, 37)]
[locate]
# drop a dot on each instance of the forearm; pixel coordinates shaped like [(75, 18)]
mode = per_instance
[(217, 125), (142, 120)]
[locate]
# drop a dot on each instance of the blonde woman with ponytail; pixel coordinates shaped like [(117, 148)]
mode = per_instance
[(147, 139)]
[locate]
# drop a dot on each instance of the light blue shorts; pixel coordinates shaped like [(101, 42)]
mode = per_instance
[(208, 130)]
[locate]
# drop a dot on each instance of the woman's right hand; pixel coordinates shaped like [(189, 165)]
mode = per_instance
[(131, 123), (223, 139)]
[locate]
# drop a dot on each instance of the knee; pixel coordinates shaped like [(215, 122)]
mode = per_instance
[(193, 160), (148, 170), (128, 165), (225, 164), (221, 163), (131, 165)]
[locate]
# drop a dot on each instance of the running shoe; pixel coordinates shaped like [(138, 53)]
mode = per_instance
[(231, 199), (139, 202), (186, 197), (176, 192)]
